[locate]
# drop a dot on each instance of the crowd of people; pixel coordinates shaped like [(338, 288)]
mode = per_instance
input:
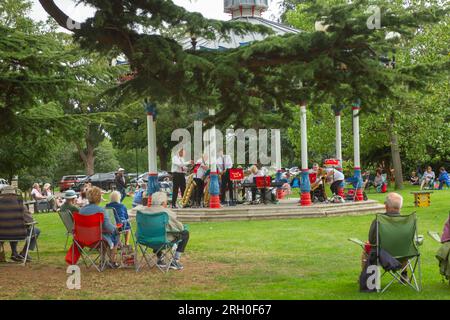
[(428, 179)]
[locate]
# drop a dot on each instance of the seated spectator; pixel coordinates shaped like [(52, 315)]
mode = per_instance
[(175, 229), (378, 181), (50, 197), (94, 196), (446, 233), (70, 202), (443, 178), (414, 179), (138, 197), (393, 205), (36, 193), (9, 196), (82, 199), (122, 213), (428, 178)]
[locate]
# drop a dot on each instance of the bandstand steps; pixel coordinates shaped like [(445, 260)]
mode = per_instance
[(277, 212)]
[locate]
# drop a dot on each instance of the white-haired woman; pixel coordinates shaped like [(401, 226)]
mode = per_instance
[(175, 228), (122, 213)]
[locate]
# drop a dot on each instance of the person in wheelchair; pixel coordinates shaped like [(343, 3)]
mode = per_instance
[(318, 187), (428, 179)]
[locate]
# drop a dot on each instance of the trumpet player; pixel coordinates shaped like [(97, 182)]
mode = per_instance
[(179, 169), (201, 167)]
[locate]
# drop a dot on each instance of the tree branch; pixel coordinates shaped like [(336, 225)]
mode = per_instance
[(56, 13)]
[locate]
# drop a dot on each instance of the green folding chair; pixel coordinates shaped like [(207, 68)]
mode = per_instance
[(67, 219), (151, 234), (397, 235)]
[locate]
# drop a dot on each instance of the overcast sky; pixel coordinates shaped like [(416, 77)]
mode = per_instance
[(209, 8)]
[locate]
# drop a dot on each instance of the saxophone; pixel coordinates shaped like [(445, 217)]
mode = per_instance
[(206, 193), (190, 186)]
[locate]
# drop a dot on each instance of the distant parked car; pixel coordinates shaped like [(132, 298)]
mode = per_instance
[(104, 181), (3, 183), (68, 181), (162, 176)]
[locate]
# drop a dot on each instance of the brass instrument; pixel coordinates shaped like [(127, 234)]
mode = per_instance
[(190, 186), (206, 193)]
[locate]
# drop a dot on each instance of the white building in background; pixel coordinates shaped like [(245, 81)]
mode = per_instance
[(240, 10)]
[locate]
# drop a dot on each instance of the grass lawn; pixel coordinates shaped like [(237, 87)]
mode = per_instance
[(285, 259)]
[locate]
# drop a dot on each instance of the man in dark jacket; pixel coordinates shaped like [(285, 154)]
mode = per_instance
[(10, 203), (121, 184)]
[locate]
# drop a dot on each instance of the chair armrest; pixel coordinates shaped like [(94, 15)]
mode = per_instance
[(357, 241), (419, 239), (435, 236), (31, 223)]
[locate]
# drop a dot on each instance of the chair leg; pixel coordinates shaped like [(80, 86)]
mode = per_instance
[(30, 234)]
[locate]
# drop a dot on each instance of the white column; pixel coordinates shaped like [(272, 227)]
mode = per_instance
[(357, 162), (338, 139), (304, 137), (277, 150), (212, 145), (151, 133)]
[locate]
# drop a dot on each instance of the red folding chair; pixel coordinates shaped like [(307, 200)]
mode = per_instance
[(87, 233)]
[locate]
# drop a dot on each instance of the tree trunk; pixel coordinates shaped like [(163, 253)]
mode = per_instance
[(395, 153), (162, 154), (88, 158)]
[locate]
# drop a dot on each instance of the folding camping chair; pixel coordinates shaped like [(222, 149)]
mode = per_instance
[(127, 253), (87, 233), (151, 233), (67, 220), (12, 224), (397, 235)]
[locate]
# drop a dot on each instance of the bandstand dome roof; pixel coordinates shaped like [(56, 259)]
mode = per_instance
[(241, 10)]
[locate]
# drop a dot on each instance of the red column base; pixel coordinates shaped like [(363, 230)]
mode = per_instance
[(305, 199), (149, 201), (214, 202), (341, 192), (280, 194), (359, 195)]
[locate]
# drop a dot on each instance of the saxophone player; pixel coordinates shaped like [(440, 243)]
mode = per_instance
[(179, 169)]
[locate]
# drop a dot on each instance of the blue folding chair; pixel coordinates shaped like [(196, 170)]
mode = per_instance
[(151, 234)]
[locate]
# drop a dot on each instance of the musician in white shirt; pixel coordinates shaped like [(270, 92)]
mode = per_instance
[(201, 167), (179, 169), (224, 164)]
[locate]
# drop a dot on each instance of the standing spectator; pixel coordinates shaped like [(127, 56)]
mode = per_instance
[(428, 178), (121, 184), (443, 178), (179, 169), (414, 179)]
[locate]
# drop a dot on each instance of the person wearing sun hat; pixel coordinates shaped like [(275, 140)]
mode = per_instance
[(70, 196)]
